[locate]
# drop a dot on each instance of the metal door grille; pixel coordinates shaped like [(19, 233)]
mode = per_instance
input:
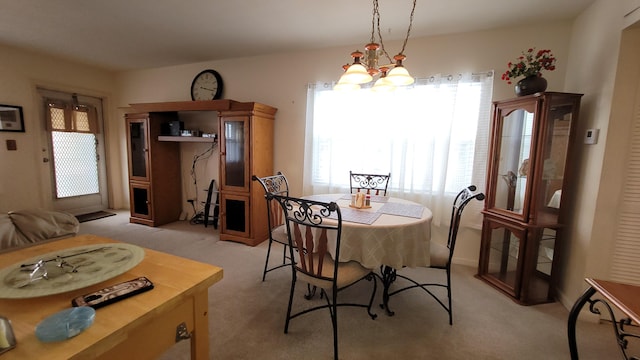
[(75, 164)]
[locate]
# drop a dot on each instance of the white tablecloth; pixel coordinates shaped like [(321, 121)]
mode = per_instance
[(391, 240)]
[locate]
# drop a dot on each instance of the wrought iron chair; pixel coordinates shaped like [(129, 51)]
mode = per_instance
[(276, 184), (373, 184), (440, 255), (310, 226)]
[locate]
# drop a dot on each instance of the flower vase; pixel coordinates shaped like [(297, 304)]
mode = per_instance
[(531, 85)]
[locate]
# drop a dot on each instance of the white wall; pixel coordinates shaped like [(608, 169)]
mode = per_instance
[(595, 70), (24, 177)]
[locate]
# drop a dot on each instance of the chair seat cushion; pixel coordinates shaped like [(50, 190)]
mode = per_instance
[(439, 254), (348, 273), (279, 234)]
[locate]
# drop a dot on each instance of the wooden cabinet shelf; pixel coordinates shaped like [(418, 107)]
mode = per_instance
[(202, 105), (188, 139)]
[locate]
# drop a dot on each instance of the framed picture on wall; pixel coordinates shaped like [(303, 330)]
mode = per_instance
[(11, 118)]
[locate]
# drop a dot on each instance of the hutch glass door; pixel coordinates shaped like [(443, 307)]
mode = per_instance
[(235, 147)]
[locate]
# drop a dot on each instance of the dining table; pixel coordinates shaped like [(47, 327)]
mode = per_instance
[(390, 234)]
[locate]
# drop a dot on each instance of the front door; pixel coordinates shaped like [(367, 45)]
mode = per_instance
[(76, 148)]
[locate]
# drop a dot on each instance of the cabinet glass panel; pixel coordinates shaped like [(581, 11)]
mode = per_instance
[(545, 251), (539, 282), (513, 165), (504, 252), (138, 149), (235, 215), (554, 157), (234, 153), (140, 201)]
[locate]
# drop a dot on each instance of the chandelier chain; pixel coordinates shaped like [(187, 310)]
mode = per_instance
[(413, 10), (376, 20), (373, 20), (376, 17)]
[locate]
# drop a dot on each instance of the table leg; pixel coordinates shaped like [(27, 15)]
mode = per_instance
[(388, 277), (573, 317), (200, 335), (618, 325)]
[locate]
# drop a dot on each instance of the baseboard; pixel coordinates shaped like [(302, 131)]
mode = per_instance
[(465, 262)]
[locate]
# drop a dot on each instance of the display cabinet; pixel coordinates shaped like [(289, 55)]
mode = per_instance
[(246, 133), (246, 149), (524, 212), (154, 170)]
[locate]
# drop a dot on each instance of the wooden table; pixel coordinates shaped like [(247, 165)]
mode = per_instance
[(140, 327), (389, 243), (623, 296)]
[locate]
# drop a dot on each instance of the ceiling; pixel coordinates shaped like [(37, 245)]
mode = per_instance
[(125, 35)]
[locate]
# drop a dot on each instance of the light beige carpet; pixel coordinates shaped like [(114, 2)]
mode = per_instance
[(247, 315)]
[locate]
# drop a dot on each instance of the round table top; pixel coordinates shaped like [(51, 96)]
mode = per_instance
[(393, 232)]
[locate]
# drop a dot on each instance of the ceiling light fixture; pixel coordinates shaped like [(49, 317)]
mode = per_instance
[(365, 65)]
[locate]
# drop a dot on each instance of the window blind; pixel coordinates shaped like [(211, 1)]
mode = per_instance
[(626, 255)]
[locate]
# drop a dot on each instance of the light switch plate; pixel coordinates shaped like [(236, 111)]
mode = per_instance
[(12, 145), (591, 136)]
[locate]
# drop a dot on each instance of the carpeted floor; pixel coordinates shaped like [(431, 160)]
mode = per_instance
[(246, 315), (94, 216)]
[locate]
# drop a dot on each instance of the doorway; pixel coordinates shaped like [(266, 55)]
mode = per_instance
[(74, 126)]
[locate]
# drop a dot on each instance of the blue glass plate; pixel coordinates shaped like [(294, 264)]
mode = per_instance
[(65, 324)]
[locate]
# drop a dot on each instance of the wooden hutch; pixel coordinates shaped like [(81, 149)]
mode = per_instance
[(246, 132)]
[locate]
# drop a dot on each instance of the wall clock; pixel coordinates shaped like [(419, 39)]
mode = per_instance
[(207, 85)]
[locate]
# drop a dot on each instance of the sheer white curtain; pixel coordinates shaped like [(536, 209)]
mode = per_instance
[(432, 137)]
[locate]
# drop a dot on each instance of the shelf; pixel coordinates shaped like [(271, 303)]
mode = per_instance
[(187, 139), (222, 105)]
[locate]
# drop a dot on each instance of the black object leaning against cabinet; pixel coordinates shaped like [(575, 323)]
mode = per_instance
[(528, 180)]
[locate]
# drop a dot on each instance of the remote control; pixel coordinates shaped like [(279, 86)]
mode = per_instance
[(113, 293)]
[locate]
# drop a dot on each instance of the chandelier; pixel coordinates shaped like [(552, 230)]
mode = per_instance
[(365, 65)]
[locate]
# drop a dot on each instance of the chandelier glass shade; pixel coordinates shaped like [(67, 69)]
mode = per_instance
[(383, 84), (356, 73), (399, 76), (365, 67)]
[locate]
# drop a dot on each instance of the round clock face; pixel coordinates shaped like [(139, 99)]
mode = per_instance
[(207, 85)]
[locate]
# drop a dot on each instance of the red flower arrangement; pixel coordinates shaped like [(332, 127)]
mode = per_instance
[(530, 64)]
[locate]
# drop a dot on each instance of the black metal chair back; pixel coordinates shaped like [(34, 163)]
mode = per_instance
[(277, 185), (442, 259), (310, 217), (462, 199), (374, 184), (314, 228)]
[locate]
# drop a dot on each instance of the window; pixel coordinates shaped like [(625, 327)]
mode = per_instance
[(73, 131), (432, 137)]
